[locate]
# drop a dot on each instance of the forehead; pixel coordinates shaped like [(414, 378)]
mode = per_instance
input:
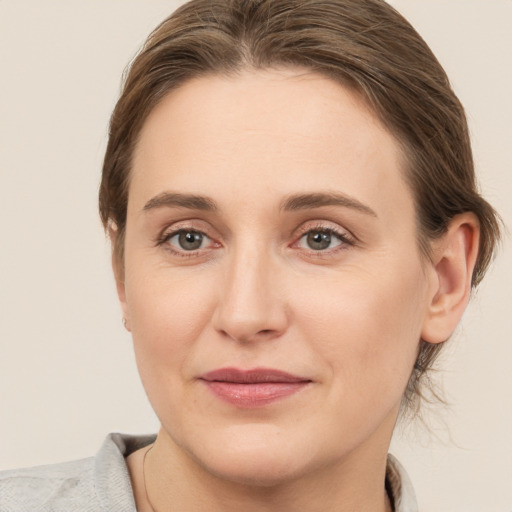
[(288, 130)]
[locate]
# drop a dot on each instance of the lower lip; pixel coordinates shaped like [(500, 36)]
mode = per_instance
[(254, 395)]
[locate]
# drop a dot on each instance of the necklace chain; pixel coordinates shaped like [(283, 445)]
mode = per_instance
[(144, 477)]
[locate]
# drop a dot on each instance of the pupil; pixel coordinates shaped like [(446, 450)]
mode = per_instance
[(318, 240), (190, 240)]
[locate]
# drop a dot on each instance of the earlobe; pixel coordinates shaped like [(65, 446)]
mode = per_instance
[(454, 259), (118, 269)]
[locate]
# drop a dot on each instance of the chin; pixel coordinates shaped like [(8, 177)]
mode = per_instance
[(256, 457), (255, 470)]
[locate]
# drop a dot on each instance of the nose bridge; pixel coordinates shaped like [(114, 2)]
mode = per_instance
[(249, 306)]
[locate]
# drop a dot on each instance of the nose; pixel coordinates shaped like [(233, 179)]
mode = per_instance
[(251, 306)]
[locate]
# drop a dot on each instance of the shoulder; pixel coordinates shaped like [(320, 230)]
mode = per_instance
[(399, 487), (93, 484), (48, 487)]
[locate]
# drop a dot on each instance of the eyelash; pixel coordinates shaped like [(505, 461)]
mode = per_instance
[(166, 236), (344, 239)]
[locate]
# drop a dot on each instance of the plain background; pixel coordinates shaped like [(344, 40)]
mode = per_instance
[(67, 372)]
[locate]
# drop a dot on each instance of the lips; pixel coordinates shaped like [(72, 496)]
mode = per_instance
[(253, 388)]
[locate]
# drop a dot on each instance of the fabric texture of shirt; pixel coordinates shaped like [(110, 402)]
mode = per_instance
[(102, 483)]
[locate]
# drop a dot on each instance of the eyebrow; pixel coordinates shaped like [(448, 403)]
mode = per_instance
[(319, 199), (291, 203), (174, 199)]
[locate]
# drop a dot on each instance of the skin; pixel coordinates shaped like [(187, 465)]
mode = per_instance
[(348, 317)]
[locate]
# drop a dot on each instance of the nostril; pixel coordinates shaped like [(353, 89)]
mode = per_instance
[(248, 336)]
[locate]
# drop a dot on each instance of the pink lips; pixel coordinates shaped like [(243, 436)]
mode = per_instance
[(252, 388)]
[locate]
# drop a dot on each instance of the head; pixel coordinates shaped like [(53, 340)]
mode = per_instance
[(382, 69)]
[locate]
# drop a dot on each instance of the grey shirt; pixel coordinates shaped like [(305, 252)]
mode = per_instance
[(102, 483)]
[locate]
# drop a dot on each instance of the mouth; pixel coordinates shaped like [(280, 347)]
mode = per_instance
[(253, 388)]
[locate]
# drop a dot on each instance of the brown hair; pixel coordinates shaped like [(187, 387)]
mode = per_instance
[(363, 44)]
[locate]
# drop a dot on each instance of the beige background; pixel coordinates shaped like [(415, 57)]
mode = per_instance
[(67, 373)]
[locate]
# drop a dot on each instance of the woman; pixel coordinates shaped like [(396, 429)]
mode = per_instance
[(289, 191)]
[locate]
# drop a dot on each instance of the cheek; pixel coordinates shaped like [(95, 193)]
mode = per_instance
[(366, 326), (168, 312)]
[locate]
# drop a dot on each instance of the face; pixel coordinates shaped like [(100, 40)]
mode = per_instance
[(273, 284)]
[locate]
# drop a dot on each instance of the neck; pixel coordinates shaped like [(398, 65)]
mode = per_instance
[(175, 481)]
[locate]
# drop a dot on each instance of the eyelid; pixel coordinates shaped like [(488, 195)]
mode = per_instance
[(341, 232), (196, 225)]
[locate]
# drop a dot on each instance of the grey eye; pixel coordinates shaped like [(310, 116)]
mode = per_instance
[(188, 240), (319, 240)]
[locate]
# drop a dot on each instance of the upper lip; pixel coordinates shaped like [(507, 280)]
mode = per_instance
[(252, 376)]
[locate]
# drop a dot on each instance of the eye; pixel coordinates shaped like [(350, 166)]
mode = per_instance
[(187, 240), (322, 239)]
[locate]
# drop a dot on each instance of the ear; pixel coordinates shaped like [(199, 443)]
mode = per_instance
[(118, 269), (454, 258)]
